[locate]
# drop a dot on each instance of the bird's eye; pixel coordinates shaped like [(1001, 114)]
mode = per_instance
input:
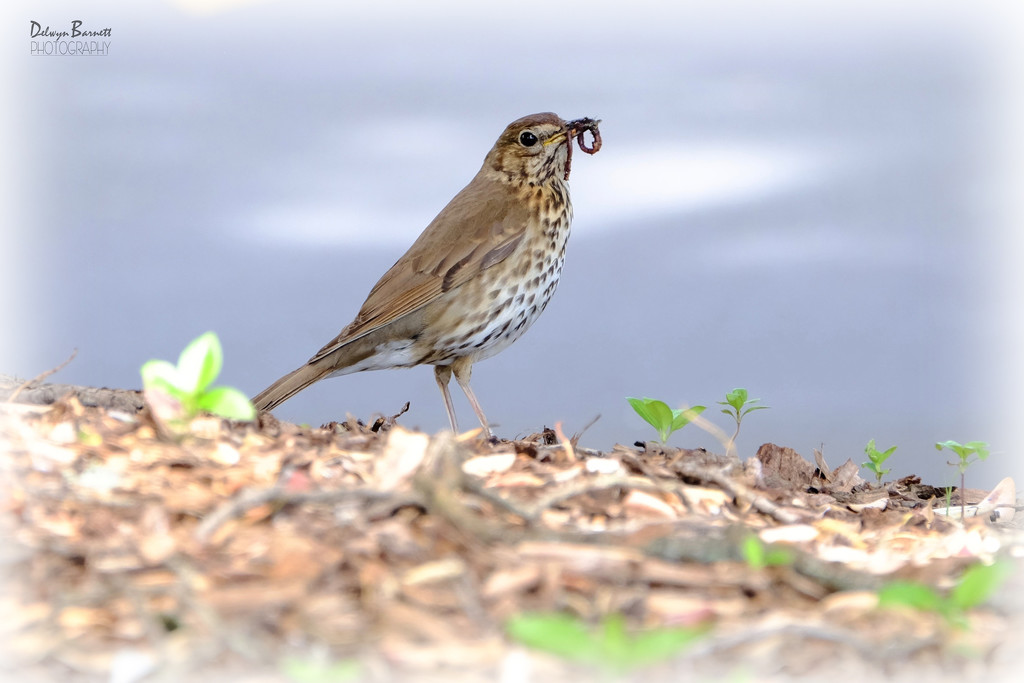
[(527, 139)]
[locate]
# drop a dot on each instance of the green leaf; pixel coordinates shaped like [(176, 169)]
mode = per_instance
[(614, 643), (311, 671), (754, 552), (878, 457), (159, 374), (736, 398), (660, 644), (656, 413), (979, 447), (910, 594), (753, 408), (560, 634), (681, 418), (978, 583), (226, 402), (778, 557), (758, 556), (87, 437), (610, 647), (965, 451), (640, 408), (200, 363)]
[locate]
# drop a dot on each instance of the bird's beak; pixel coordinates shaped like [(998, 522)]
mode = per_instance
[(556, 138)]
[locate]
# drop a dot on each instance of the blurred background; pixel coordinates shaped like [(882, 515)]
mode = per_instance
[(812, 203)]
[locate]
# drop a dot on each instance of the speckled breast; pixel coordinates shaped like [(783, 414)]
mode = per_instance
[(512, 294)]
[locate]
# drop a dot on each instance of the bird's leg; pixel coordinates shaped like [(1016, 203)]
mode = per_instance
[(443, 374), (463, 369)]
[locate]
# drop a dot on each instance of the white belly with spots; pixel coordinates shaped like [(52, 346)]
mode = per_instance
[(515, 305)]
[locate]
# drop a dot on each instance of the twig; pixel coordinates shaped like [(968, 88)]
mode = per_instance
[(578, 435), (739, 491), (601, 482), (40, 377), (440, 480)]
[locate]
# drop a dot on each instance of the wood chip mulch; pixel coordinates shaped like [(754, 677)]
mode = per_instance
[(240, 549)]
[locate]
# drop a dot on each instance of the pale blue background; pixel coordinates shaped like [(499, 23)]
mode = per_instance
[(784, 202)]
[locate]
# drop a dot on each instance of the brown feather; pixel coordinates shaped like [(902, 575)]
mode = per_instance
[(289, 385), (478, 229)]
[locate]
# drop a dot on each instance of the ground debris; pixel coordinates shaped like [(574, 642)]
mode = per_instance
[(241, 546)]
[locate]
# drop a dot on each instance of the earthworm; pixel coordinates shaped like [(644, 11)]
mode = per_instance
[(597, 139), (568, 156), (579, 127)]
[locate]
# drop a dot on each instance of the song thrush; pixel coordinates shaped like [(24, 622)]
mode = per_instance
[(476, 278)]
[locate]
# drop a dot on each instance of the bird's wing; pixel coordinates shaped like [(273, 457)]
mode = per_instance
[(478, 229)]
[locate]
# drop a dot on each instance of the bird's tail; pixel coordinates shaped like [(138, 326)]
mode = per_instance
[(289, 385)]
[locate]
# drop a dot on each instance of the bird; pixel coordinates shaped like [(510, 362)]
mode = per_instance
[(477, 277)]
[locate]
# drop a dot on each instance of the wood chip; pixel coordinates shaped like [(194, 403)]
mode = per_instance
[(482, 465), (403, 454), (254, 542), (648, 505)]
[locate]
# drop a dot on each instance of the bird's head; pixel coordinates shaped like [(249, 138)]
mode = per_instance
[(531, 150)]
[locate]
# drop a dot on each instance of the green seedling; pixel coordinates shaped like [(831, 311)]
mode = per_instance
[(661, 417), (975, 587), (737, 407), (876, 458), (313, 671), (758, 556), (609, 646), (964, 452), (88, 437), (183, 390)]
